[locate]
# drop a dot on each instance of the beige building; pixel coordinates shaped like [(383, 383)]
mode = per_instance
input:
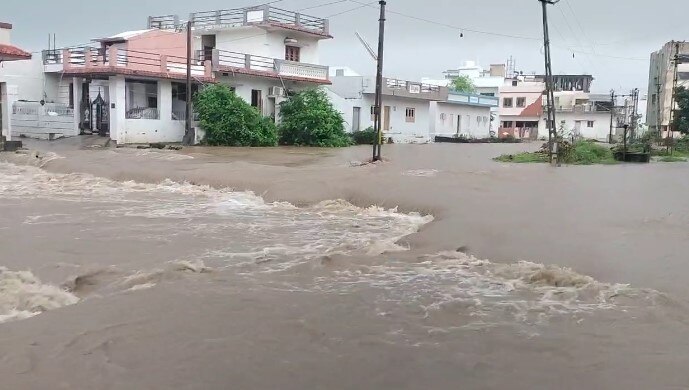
[(660, 81)]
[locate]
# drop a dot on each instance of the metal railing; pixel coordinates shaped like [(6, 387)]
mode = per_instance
[(143, 113), (80, 57), (35, 108), (243, 17), (179, 115), (412, 87), (242, 61)]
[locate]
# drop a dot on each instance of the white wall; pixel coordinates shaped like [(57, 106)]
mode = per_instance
[(400, 130), (256, 41), (600, 130), (247, 40), (26, 76), (474, 123), (346, 108)]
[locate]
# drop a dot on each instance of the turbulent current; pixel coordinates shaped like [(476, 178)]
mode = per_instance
[(108, 237)]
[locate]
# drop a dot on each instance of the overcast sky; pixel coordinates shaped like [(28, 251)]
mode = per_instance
[(586, 34)]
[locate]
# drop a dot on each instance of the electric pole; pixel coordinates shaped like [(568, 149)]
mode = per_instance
[(658, 106), (552, 130), (188, 134), (612, 114), (378, 124)]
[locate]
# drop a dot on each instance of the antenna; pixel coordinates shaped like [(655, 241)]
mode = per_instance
[(368, 47)]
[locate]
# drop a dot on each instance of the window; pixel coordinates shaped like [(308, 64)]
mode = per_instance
[(292, 53), (514, 83), (373, 113), (507, 124), (589, 124), (654, 97), (141, 99), (507, 102), (410, 114), (478, 120), (521, 102), (487, 94), (339, 72), (257, 99), (443, 116)]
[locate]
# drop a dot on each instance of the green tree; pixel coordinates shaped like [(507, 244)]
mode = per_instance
[(309, 119), (463, 84), (230, 121), (681, 121)]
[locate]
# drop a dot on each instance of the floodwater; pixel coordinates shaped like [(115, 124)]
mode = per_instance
[(117, 272)]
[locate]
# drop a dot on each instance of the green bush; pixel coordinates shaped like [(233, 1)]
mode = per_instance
[(364, 137), (309, 119), (230, 121), (587, 153)]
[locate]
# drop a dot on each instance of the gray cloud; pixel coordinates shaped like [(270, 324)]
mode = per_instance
[(629, 29)]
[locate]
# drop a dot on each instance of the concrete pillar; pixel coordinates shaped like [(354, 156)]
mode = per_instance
[(118, 104), (10, 95), (77, 93), (165, 99)]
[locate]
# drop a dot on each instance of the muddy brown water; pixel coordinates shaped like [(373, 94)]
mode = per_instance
[(117, 275)]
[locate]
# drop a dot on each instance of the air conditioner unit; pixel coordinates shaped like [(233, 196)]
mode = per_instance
[(276, 91)]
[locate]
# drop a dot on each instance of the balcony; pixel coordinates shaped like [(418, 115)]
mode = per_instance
[(585, 108), (233, 62), (93, 60), (263, 16)]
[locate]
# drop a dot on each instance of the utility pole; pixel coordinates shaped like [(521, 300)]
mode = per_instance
[(378, 124), (612, 114), (635, 115), (658, 122), (188, 134), (551, 125)]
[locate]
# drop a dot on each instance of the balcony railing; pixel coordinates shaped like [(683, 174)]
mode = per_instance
[(142, 113), (224, 60), (244, 17), (115, 59)]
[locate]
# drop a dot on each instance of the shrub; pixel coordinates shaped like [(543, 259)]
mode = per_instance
[(309, 119), (364, 137), (230, 121)]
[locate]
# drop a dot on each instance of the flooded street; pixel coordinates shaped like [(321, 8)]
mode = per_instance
[(271, 269)]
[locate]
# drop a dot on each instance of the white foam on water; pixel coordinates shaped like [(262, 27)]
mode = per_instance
[(455, 289), (23, 295), (421, 172)]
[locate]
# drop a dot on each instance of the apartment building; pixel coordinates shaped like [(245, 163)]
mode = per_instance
[(660, 83)]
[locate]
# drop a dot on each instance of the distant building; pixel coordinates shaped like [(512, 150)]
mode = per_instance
[(412, 112), (577, 111), (660, 84), (8, 87), (486, 81)]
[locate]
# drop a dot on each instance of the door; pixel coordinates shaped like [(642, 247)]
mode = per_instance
[(356, 119), (386, 118), (577, 128), (459, 124)]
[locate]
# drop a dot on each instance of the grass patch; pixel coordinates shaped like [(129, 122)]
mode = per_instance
[(581, 153), (672, 159), (526, 157)]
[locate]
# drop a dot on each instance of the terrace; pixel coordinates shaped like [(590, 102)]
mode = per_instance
[(116, 61), (263, 16)]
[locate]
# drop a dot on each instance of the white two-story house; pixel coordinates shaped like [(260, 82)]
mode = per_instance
[(261, 52), (131, 87)]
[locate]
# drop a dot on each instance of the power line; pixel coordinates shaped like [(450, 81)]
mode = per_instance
[(324, 5), (459, 28)]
